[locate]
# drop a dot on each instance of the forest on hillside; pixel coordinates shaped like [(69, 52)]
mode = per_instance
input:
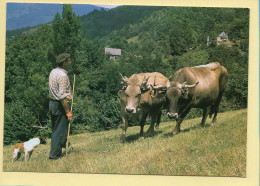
[(162, 39)]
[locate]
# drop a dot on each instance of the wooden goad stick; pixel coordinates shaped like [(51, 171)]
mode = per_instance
[(67, 144)]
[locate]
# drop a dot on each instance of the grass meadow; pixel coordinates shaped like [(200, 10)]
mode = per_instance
[(218, 150)]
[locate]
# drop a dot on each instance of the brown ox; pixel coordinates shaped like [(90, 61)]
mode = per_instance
[(196, 87), (141, 95)]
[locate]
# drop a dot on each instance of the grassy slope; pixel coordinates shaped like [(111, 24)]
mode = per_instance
[(218, 150)]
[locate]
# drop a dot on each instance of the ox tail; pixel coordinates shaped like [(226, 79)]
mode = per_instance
[(211, 111), (223, 79)]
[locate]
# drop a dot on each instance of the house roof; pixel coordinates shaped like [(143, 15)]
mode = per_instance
[(113, 51), (223, 35)]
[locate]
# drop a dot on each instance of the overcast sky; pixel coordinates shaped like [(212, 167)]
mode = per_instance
[(106, 6)]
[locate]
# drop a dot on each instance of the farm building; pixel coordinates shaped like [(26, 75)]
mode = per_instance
[(113, 52), (222, 38)]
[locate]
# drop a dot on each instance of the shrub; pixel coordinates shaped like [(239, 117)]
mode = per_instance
[(17, 121)]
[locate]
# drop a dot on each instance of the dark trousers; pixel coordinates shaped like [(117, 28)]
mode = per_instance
[(59, 129)]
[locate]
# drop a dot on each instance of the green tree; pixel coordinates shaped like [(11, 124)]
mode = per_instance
[(118, 42), (182, 38), (237, 66), (66, 31), (26, 89)]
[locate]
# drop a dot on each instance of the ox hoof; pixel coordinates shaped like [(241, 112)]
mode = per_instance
[(214, 122), (149, 134), (175, 132), (122, 139)]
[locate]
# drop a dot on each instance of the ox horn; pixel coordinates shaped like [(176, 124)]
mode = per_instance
[(124, 78), (162, 87), (144, 83), (145, 80), (159, 87), (189, 86)]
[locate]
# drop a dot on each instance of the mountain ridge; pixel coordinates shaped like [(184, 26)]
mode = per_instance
[(21, 15)]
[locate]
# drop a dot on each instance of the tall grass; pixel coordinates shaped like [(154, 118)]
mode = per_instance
[(218, 150)]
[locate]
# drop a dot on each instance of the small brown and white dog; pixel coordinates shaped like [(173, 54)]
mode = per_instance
[(27, 147)]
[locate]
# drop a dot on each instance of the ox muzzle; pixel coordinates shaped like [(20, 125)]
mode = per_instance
[(173, 115), (130, 110)]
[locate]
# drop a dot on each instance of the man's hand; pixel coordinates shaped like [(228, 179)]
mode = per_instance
[(69, 115), (64, 103)]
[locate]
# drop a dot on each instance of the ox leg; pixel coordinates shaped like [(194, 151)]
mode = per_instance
[(177, 128), (151, 128), (142, 121), (158, 120), (124, 127), (205, 115), (216, 107), (179, 120)]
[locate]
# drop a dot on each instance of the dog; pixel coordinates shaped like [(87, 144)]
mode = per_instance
[(27, 147)]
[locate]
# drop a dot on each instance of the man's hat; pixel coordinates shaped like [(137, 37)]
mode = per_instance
[(62, 57)]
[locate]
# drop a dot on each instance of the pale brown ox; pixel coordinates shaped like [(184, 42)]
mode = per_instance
[(196, 87), (142, 95)]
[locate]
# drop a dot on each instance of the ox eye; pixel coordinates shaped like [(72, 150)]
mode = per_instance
[(138, 95)]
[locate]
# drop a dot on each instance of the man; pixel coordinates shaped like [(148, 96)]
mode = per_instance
[(60, 95)]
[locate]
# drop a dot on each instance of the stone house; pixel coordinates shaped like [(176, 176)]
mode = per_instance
[(222, 38), (113, 52)]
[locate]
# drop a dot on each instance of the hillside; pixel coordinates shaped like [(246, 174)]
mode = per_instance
[(218, 150), (102, 23), (126, 22), (163, 40), (21, 15), (181, 29)]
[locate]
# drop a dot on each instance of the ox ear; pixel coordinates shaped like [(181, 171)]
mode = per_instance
[(185, 89), (124, 86), (185, 93), (121, 93)]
